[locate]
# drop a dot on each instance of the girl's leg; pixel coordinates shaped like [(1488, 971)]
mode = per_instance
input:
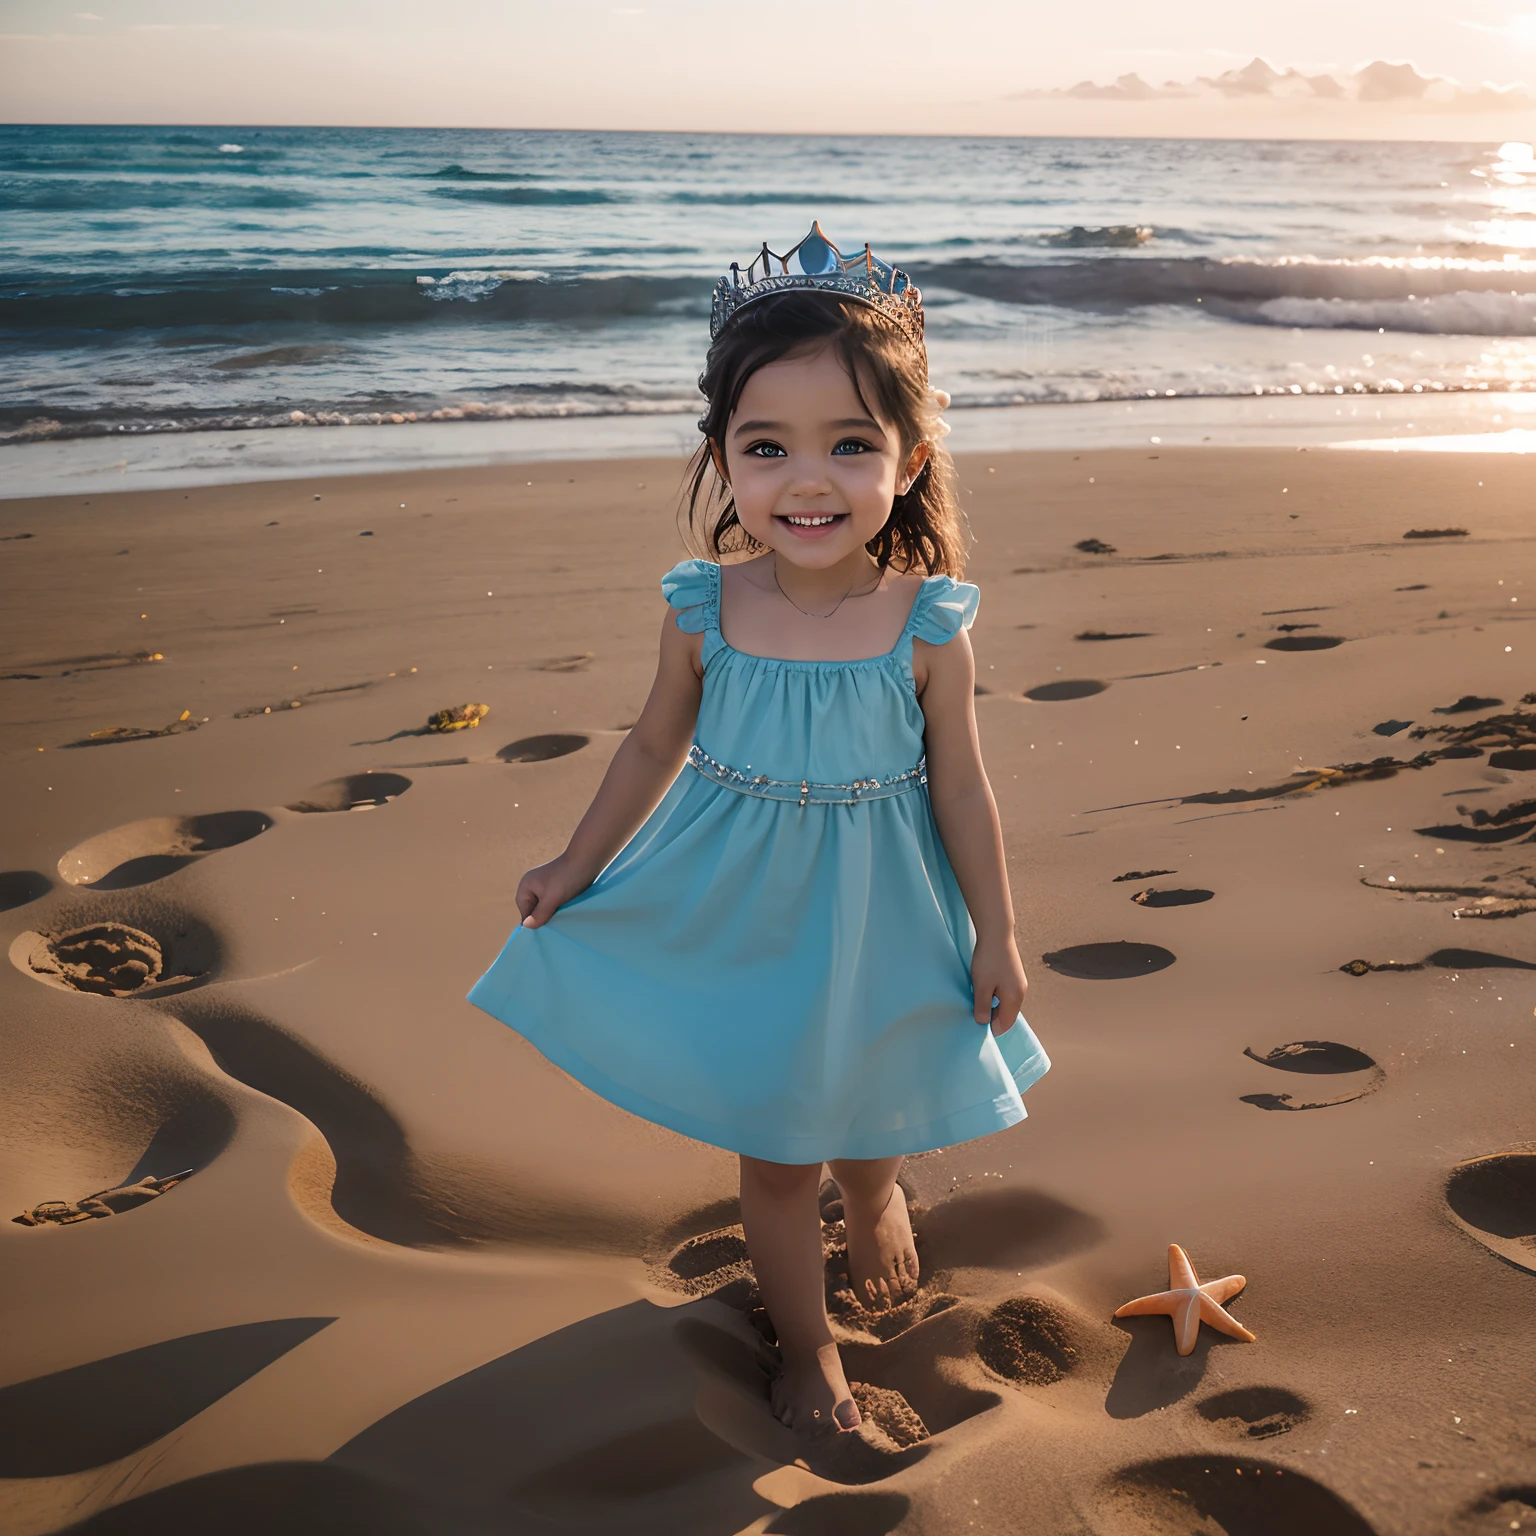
[(882, 1260), (783, 1227)]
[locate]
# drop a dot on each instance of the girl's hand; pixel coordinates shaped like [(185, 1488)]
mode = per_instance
[(997, 971), (543, 891)]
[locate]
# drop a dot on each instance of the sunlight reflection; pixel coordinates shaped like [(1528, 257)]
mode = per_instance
[(1511, 201), (1514, 440), (1515, 159)]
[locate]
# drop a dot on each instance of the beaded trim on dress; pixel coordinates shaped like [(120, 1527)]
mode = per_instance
[(803, 791)]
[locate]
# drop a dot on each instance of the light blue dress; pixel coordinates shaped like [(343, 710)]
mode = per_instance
[(778, 963)]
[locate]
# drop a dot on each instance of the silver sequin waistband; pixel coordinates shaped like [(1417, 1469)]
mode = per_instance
[(805, 791)]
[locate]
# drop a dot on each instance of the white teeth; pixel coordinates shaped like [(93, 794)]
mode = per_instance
[(810, 522)]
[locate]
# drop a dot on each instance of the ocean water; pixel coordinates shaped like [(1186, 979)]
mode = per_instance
[(156, 279)]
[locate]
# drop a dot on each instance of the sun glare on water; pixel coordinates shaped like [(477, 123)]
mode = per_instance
[(1511, 181)]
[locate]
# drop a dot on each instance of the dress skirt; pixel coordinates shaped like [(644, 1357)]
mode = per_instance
[(789, 982)]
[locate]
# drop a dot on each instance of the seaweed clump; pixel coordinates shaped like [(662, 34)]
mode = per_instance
[(464, 717)]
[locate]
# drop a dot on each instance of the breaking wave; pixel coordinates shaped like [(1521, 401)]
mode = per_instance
[(1445, 294), (1446, 314), (337, 296), (525, 402), (463, 173), (1430, 295), (553, 402)]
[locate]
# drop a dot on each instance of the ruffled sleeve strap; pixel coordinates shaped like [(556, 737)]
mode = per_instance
[(692, 588), (943, 608)]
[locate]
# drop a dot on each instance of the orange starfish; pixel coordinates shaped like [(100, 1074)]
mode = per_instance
[(1189, 1303)]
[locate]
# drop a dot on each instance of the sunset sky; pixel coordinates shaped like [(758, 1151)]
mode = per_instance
[(888, 66)]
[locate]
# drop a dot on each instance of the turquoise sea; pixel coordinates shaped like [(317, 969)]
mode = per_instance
[(159, 279)]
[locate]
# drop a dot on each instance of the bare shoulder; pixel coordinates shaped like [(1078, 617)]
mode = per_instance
[(679, 647), (944, 672)]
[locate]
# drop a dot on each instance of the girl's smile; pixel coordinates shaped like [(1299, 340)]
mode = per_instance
[(811, 525)]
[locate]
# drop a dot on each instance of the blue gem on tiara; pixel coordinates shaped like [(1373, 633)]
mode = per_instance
[(823, 269), (816, 254)]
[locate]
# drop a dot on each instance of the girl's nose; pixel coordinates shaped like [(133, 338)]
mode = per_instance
[(809, 480)]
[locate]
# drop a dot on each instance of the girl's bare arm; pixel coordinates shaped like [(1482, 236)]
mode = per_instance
[(968, 824), (641, 772)]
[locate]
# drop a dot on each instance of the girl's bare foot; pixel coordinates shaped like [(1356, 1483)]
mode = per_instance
[(882, 1259), (810, 1393)]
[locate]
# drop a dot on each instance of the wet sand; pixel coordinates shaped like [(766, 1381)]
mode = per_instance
[(420, 1282)]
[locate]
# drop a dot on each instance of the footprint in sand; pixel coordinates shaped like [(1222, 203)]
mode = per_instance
[(1218, 1493), (1493, 1198), (716, 1264), (734, 1408), (1027, 1341), (890, 1422), (710, 1262), (1155, 898), (1071, 688), (943, 1352), (110, 958), (353, 792), (1509, 1507), (1255, 1413), (1316, 1058), (540, 749), (1117, 961), (1304, 643), (19, 887), (917, 1369), (143, 851)]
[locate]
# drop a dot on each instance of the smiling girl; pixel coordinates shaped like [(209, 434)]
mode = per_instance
[(783, 927)]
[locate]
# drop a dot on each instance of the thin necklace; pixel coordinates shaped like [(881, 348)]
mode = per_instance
[(833, 609)]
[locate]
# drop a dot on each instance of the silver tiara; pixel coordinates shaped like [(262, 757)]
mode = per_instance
[(824, 269)]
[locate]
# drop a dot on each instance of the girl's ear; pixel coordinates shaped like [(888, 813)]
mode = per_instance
[(912, 469), (719, 458)]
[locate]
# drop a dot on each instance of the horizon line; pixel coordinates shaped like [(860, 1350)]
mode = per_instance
[(743, 133)]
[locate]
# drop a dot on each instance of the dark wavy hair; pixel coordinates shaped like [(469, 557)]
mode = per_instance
[(926, 530)]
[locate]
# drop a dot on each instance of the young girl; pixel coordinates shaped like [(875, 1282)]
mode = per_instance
[(761, 932)]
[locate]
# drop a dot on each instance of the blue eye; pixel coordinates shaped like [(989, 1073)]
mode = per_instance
[(767, 451), (850, 445)]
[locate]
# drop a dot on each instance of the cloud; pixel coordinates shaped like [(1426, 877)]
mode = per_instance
[(1381, 81)]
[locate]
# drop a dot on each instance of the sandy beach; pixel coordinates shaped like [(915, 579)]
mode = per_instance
[(1266, 777)]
